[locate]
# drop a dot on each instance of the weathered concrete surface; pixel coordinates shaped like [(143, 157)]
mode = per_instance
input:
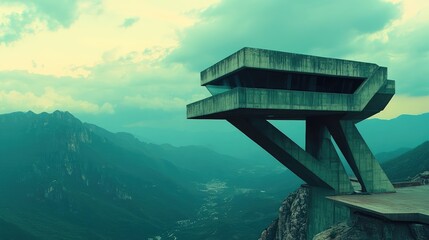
[(357, 105), (407, 204), (283, 61), (266, 102), (319, 145), (322, 212), (326, 173), (360, 158), (284, 104)]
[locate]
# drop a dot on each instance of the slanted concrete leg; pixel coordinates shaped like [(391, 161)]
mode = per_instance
[(360, 158), (284, 150)]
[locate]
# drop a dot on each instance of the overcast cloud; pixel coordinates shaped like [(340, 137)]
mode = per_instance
[(135, 66), (313, 27)]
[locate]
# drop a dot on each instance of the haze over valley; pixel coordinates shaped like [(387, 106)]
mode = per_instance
[(62, 177)]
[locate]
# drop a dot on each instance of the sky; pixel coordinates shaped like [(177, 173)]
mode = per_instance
[(134, 66)]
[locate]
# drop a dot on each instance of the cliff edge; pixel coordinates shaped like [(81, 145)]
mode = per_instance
[(292, 221)]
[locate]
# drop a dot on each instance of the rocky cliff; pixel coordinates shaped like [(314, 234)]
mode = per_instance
[(422, 178), (363, 227), (367, 228), (292, 221)]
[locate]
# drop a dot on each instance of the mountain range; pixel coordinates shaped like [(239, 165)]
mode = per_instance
[(64, 179), (407, 165)]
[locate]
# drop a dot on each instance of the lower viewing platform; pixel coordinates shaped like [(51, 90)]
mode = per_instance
[(408, 204)]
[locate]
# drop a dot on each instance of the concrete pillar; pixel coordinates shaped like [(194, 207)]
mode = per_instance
[(323, 213)]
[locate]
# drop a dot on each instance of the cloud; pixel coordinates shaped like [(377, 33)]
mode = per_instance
[(150, 70), (15, 26), (402, 104), (56, 13), (28, 17), (142, 81), (389, 34), (128, 22), (50, 100), (137, 80), (158, 103), (402, 47), (83, 37), (318, 27)]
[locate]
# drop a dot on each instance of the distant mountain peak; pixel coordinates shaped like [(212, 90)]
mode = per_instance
[(56, 113), (407, 165), (62, 113), (65, 115)]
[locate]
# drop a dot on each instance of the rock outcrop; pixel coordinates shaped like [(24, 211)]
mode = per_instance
[(292, 221), (362, 228), (422, 178)]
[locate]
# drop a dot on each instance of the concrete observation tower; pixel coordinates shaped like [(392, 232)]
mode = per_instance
[(254, 85)]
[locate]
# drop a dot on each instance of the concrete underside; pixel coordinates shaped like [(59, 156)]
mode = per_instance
[(407, 204)]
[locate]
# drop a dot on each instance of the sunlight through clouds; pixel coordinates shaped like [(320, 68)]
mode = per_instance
[(154, 102), (49, 101), (402, 104), (92, 33), (93, 60), (102, 56)]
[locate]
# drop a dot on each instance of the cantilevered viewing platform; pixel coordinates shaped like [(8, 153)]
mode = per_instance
[(280, 85), (331, 95)]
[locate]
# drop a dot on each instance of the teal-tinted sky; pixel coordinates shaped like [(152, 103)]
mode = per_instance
[(134, 66)]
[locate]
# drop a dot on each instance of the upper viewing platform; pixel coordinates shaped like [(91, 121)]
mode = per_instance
[(285, 62), (259, 68), (281, 85)]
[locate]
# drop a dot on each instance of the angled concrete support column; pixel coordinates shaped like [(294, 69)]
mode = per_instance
[(284, 150), (360, 158)]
